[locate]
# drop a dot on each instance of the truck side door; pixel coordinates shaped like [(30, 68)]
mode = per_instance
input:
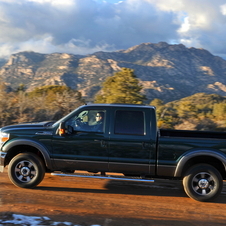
[(85, 147), (132, 145)]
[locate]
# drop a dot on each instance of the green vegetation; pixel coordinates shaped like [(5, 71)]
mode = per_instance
[(197, 112), (122, 88), (44, 103)]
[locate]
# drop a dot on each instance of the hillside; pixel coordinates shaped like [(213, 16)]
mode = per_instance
[(167, 72)]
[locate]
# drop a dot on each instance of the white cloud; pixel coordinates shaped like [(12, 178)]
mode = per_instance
[(61, 2), (223, 9), (82, 27), (102, 26), (202, 22), (185, 25), (6, 50)]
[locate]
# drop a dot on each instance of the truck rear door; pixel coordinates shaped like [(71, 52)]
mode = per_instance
[(132, 145)]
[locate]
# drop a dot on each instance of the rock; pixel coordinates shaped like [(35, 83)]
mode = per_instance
[(167, 72)]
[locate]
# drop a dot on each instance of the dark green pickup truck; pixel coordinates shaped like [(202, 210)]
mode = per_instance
[(114, 139)]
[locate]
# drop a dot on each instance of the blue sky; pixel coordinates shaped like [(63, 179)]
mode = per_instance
[(87, 26), (110, 1)]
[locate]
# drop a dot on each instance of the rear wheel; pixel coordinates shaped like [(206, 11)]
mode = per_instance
[(203, 182), (26, 170)]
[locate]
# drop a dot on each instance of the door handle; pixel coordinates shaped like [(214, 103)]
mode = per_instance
[(146, 145), (103, 143)]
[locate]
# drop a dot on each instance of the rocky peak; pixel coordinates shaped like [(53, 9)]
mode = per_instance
[(25, 58), (168, 72)]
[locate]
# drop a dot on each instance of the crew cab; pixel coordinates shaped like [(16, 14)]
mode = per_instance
[(126, 141)]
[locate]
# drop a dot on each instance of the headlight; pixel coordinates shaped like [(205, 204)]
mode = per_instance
[(3, 137)]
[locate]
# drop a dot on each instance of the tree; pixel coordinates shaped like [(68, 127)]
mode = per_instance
[(6, 105), (219, 111), (55, 101), (67, 101), (186, 110), (157, 102), (21, 87), (123, 88)]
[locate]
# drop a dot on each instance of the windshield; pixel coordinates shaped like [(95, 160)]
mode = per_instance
[(66, 116)]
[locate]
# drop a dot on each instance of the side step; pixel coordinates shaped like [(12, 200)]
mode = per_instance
[(108, 177)]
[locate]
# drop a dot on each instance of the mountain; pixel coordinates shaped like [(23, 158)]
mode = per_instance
[(167, 72)]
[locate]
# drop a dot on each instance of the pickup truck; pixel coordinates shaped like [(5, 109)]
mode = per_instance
[(114, 141)]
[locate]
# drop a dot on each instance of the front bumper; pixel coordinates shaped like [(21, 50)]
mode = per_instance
[(2, 160)]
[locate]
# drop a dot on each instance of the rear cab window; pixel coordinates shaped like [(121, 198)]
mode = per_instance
[(133, 122), (129, 122)]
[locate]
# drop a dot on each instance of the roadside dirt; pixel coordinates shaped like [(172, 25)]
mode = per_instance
[(87, 202)]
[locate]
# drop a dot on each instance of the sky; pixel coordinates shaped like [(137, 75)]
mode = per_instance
[(87, 26)]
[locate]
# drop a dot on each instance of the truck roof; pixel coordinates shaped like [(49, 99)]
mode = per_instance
[(123, 105)]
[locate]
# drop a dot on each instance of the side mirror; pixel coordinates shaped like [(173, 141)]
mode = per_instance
[(70, 129), (62, 129)]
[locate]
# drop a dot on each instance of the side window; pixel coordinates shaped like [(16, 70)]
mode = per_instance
[(129, 122), (88, 120)]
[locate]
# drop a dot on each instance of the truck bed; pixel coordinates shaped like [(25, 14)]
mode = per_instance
[(192, 133)]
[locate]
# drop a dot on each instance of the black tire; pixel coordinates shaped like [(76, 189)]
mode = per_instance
[(26, 170), (203, 182)]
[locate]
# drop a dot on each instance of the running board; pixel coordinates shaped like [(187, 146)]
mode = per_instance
[(108, 177)]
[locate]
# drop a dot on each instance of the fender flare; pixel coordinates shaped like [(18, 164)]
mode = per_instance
[(32, 143), (197, 153)]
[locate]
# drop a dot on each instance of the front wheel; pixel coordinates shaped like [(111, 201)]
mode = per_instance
[(26, 170), (203, 182)]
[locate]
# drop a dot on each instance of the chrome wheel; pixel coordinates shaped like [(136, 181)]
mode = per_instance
[(203, 183), (25, 171)]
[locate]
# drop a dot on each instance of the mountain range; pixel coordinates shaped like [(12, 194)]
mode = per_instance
[(168, 72)]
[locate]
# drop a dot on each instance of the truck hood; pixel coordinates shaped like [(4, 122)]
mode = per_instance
[(35, 125)]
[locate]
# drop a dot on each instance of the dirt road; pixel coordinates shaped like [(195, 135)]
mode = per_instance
[(89, 202)]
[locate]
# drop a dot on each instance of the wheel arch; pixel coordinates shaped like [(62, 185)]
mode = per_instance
[(215, 159), (24, 145)]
